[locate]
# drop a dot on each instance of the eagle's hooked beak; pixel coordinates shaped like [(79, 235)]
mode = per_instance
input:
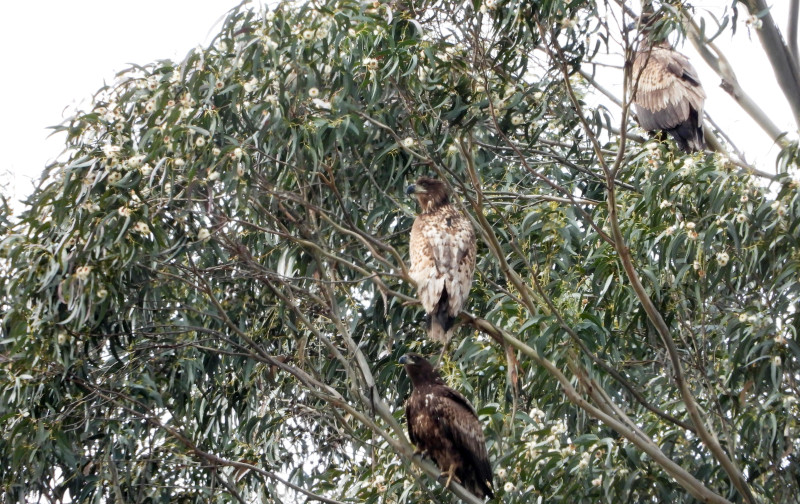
[(405, 359), (411, 189)]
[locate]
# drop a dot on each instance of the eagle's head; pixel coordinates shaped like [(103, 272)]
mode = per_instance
[(419, 369), (652, 26), (413, 359), (430, 192), (641, 21)]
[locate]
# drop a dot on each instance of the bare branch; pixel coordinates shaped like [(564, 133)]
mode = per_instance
[(716, 59), (780, 56), (794, 13)]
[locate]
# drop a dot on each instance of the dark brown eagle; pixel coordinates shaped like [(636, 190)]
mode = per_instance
[(669, 96), (442, 251), (443, 425)]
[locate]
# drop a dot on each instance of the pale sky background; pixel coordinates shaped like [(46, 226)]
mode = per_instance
[(56, 53)]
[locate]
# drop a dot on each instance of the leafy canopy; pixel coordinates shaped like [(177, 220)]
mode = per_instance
[(205, 301)]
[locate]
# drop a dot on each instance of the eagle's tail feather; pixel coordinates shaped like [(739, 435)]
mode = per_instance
[(689, 134), (478, 483), (440, 323), (485, 482), (480, 488)]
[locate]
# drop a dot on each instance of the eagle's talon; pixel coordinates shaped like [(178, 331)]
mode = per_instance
[(451, 475), (422, 454)]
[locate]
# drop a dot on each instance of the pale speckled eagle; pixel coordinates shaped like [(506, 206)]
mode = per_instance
[(442, 251), (669, 95), (443, 425)]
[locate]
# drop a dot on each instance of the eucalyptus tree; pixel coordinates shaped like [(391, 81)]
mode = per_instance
[(206, 298)]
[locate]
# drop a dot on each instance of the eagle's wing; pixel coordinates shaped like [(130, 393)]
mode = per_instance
[(459, 422), (679, 65), (442, 251), (462, 267), (668, 89), (693, 91), (424, 270), (412, 410)]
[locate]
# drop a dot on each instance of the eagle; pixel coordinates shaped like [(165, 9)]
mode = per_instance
[(443, 425), (669, 96), (442, 251)]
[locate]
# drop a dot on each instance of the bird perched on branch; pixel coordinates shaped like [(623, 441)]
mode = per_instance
[(668, 94), (443, 425), (442, 251)]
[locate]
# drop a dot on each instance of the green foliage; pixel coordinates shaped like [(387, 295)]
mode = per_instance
[(206, 300)]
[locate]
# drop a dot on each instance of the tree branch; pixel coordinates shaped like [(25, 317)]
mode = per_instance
[(683, 477), (327, 393), (786, 68), (794, 12), (716, 59), (144, 413)]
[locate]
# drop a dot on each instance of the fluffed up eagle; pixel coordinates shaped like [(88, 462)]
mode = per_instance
[(443, 425), (442, 251), (669, 96)]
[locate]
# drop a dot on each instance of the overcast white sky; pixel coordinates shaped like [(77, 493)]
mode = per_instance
[(56, 53)]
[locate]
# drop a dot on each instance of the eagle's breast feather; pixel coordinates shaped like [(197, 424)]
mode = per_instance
[(442, 251)]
